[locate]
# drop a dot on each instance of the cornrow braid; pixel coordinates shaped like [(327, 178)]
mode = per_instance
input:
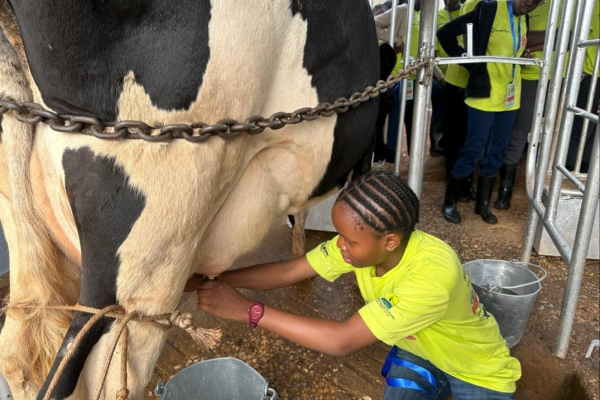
[(383, 201)]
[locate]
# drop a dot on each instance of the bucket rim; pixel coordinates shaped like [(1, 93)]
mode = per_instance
[(526, 265)]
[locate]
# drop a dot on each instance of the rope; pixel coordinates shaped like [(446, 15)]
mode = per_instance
[(207, 338)]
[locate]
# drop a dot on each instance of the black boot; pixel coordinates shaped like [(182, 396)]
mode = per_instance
[(485, 184), (466, 192), (507, 181), (449, 210)]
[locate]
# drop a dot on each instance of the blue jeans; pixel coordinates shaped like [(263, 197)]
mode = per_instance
[(489, 132), (446, 384)]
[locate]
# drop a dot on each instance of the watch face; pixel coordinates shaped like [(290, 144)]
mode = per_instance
[(255, 312)]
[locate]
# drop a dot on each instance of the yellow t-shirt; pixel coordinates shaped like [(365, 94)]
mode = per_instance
[(444, 16), (456, 74), (590, 51), (501, 44), (427, 306), (538, 21)]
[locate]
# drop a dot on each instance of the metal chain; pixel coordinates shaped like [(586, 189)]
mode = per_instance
[(33, 113)]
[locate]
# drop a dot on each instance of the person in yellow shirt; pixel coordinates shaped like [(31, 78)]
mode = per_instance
[(530, 75), (493, 96), (418, 299), (455, 113)]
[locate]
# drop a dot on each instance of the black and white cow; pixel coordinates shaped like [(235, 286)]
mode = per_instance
[(126, 222)]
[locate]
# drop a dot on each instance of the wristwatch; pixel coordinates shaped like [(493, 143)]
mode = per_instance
[(255, 313)]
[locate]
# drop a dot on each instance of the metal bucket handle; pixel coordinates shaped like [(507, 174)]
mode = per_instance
[(527, 265), (271, 394)]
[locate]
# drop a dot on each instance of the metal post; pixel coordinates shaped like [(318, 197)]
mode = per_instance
[(422, 97), (580, 249), (582, 27), (538, 153), (393, 25), (398, 155)]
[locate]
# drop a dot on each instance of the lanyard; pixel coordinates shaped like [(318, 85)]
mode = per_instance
[(516, 39), (448, 11), (392, 358)]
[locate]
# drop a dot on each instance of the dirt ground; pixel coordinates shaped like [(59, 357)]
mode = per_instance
[(298, 373)]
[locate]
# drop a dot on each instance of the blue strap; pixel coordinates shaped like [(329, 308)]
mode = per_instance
[(516, 40), (392, 358)]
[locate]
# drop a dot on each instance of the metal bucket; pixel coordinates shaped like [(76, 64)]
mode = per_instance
[(4, 389), (508, 290), (217, 379)]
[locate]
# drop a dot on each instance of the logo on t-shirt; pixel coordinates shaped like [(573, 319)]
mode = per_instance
[(324, 249)]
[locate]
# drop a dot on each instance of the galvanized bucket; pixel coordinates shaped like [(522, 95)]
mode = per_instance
[(508, 290), (4, 389), (217, 379)]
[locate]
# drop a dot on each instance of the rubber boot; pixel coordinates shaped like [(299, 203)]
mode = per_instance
[(507, 181), (435, 135), (485, 184), (466, 192), (449, 210)]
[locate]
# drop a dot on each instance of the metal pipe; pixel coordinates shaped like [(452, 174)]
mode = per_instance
[(469, 40), (582, 24), (400, 128), (554, 233), (591, 42), (583, 113), (392, 27), (586, 122), (584, 232), (422, 97), (496, 59), (540, 151), (572, 178)]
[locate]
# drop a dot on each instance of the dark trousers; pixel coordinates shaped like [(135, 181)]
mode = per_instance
[(576, 131), (455, 124), (520, 131), (489, 132)]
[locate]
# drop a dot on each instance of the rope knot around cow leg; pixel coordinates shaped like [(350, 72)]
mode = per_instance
[(123, 394), (207, 338)]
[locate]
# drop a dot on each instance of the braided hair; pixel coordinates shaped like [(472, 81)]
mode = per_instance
[(383, 201)]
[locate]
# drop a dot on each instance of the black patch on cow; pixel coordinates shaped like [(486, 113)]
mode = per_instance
[(342, 57), (164, 43), (105, 207)]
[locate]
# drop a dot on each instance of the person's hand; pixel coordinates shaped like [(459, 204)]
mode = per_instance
[(224, 301), (526, 54), (194, 282)]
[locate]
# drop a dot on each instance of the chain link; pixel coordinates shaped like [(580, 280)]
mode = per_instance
[(33, 113)]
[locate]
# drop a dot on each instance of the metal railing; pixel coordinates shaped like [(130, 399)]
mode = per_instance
[(563, 98)]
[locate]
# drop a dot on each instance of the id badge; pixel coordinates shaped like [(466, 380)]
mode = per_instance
[(510, 96), (410, 89)]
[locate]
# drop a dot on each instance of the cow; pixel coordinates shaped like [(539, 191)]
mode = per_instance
[(126, 222)]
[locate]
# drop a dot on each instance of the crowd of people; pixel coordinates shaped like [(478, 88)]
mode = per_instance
[(482, 113)]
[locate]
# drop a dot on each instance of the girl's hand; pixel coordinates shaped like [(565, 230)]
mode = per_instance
[(220, 299), (194, 282)]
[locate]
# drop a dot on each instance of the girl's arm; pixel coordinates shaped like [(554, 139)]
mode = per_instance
[(263, 276), (327, 336)]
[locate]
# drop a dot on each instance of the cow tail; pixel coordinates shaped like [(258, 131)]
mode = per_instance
[(36, 278)]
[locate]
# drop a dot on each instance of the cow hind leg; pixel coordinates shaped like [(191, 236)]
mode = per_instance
[(105, 207), (32, 332)]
